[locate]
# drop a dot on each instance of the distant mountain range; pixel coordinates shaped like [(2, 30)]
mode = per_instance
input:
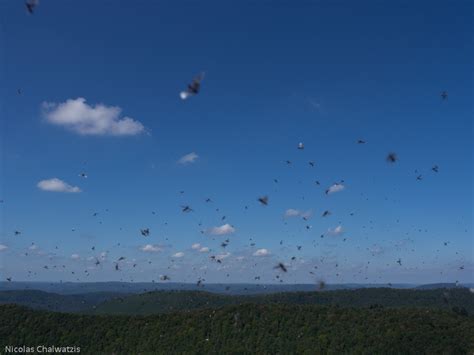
[(56, 302), (232, 288), (167, 301)]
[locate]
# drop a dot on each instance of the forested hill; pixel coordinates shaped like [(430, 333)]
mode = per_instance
[(54, 302), (460, 299), (248, 329)]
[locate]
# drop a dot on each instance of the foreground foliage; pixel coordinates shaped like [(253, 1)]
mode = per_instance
[(248, 328)]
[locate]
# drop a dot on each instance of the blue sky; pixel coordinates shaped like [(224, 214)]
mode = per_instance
[(325, 73)]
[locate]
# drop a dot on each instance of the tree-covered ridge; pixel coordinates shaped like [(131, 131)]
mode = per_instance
[(460, 299), (54, 302), (247, 329)]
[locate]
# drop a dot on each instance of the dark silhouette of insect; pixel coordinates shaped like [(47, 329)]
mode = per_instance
[(193, 88), (263, 200), (186, 209), (392, 157), (30, 5), (282, 267)]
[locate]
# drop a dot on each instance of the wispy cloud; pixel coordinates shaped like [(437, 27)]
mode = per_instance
[(222, 256), (204, 250), (196, 246), (222, 230), (151, 248), (376, 250), (75, 257), (3, 247), (179, 254), (297, 213), (188, 158), (77, 116), (57, 185), (292, 213)]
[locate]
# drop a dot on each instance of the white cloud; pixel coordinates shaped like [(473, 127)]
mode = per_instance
[(3, 247), (335, 188), (79, 117), (151, 248), (188, 158), (179, 254), (57, 185), (336, 231), (295, 213), (292, 213), (196, 246), (204, 250), (33, 247), (75, 256), (222, 230), (261, 252), (222, 256)]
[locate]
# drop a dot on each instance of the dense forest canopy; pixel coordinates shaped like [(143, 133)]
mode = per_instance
[(251, 329)]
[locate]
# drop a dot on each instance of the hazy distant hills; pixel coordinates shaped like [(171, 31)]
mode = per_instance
[(55, 302), (140, 287), (249, 329), (170, 301), (178, 300)]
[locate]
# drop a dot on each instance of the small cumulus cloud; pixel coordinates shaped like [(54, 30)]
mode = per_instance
[(3, 247), (336, 231), (261, 252), (222, 230), (179, 254), (188, 158), (335, 188), (57, 185), (75, 256), (77, 116), (151, 248), (204, 250), (196, 246)]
